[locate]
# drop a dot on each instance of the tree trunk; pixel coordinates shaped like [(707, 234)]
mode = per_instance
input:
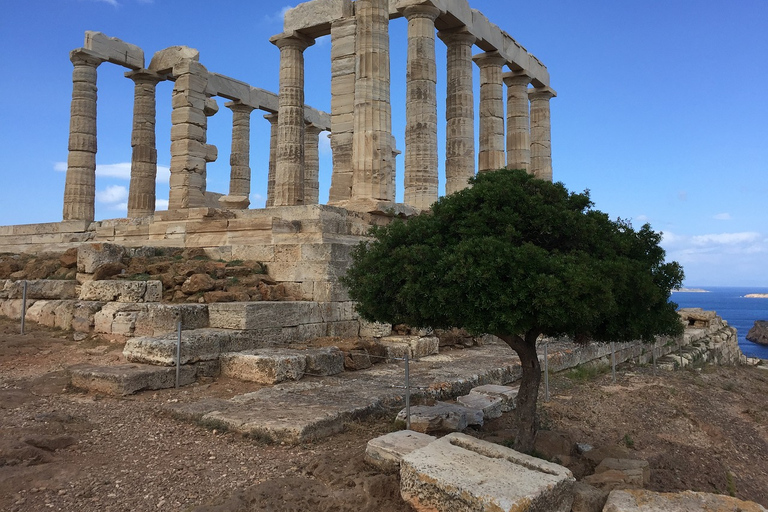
[(525, 425)]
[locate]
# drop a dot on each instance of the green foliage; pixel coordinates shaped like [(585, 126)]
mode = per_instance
[(587, 372), (511, 255), (628, 441), (234, 263)]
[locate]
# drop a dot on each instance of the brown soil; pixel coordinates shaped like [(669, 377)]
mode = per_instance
[(66, 450)]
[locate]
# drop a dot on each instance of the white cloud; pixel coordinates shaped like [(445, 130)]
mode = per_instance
[(722, 216), (112, 194), (725, 239), (60, 166), (324, 145), (120, 171), (278, 16), (161, 204), (123, 207), (113, 3), (642, 219), (163, 174)]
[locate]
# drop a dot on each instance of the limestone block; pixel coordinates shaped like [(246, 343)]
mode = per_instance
[(357, 360), (158, 319), (92, 256), (637, 500), (165, 60), (226, 87), (196, 345), (121, 291), (82, 316), (64, 314), (508, 394), (265, 366), (104, 319), (587, 498), (633, 468), (308, 14), (491, 406), (459, 472), (324, 361), (385, 452), (35, 311), (41, 289), (374, 329), (127, 379), (114, 50), (12, 307), (255, 315), (343, 329), (415, 346), (442, 417)]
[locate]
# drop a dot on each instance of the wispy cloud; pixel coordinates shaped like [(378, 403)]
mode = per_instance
[(112, 194), (278, 16), (722, 216), (113, 3), (120, 171), (161, 204)]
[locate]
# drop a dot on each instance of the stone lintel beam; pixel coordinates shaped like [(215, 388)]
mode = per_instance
[(114, 50), (165, 60)]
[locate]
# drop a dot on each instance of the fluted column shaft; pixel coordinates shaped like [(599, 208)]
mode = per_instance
[(80, 183), (459, 111), (491, 155), (141, 193), (289, 168), (311, 164), (272, 118), (541, 134), (421, 108), (372, 163), (518, 121), (239, 157), (343, 58)]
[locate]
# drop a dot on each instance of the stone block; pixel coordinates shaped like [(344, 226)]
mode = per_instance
[(35, 311), (491, 406), (83, 315), (257, 315), (442, 417), (64, 314), (459, 472), (92, 256), (554, 445), (165, 60), (324, 361), (103, 319), (634, 468), (385, 452), (12, 307), (374, 329), (357, 360), (122, 291), (49, 289), (415, 346), (587, 498), (638, 500), (156, 319), (114, 50), (265, 366), (196, 345), (127, 379), (508, 394)]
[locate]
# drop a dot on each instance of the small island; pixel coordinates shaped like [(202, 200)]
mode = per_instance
[(756, 296), (691, 290)]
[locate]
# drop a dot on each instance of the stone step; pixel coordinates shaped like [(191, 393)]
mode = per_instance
[(385, 452), (489, 405), (442, 417), (507, 394), (126, 379)]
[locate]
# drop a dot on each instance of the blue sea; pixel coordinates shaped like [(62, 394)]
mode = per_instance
[(730, 304)]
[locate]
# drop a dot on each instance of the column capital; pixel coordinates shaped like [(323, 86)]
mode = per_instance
[(145, 76), (292, 39), (424, 10), (272, 118), (488, 59), (83, 57), (541, 93), (312, 128), (239, 106), (457, 35), (516, 78)]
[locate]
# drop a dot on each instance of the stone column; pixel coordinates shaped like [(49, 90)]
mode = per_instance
[(421, 108), (491, 155), (459, 111), (372, 164), (541, 136), (311, 164), (342, 106), (289, 168), (80, 184), (239, 158), (518, 121), (141, 193), (272, 118)]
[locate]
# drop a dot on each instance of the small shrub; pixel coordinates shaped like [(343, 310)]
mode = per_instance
[(730, 484), (628, 441), (586, 373), (234, 263)]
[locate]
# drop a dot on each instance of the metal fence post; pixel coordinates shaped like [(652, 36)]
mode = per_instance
[(178, 352), (407, 393), (546, 372), (23, 304), (613, 362)]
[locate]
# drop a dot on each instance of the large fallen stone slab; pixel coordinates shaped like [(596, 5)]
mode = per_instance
[(196, 345), (459, 472), (491, 406), (639, 500), (508, 394), (385, 452), (265, 366), (126, 379), (322, 362), (442, 417)]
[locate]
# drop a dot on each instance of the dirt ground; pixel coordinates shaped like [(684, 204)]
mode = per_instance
[(66, 450)]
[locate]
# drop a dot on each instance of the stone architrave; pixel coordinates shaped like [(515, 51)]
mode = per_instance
[(541, 133), (289, 165), (272, 118), (141, 193), (459, 110), (421, 108), (518, 121), (311, 164), (372, 164), (491, 155), (80, 184), (343, 58), (189, 151), (240, 158)]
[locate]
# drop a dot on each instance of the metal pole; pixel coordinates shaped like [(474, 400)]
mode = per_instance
[(546, 372), (407, 394), (178, 352), (654, 359), (613, 362), (23, 304), (680, 353)]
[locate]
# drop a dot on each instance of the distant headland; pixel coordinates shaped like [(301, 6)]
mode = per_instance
[(756, 296), (691, 290)]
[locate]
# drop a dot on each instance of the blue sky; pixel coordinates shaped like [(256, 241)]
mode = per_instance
[(661, 109)]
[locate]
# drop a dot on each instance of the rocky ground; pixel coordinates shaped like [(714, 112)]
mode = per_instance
[(60, 449)]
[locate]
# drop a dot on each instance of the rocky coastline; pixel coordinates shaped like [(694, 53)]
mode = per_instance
[(759, 333)]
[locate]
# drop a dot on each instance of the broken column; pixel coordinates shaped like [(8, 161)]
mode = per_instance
[(372, 163), (541, 137), (518, 121), (141, 193), (272, 118), (311, 164), (459, 111), (80, 185), (421, 108), (491, 155), (239, 159), (289, 166)]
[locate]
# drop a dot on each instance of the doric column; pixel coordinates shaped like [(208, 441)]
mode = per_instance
[(459, 111), (272, 118), (518, 121), (289, 168), (141, 193), (239, 158), (342, 107), (372, 164), (541, 136), (80, 184), (421, 108), (491, 155), (311, 164)]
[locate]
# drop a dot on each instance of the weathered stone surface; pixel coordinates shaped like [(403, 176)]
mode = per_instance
[(92, 256), (635, 469), (265, 366), (40, 289), (415, 346), (196, 345), (647, 501), (587, 498), (459, 472), (68, 258), (553, 445), (122, 291), (108, 270), (508, 394), (597, 455), (759, 332), (611, 479), (357, 360), (114, 50), (696, 317), (82, 316), (324, 361), (385, 452), (255, 315), (442, 417), (197, 283), (159, 319), (117, 318), (374, 329), (491, 406), (127, 379)]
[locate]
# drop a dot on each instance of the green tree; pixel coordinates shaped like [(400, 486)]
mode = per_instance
[(518, 257)]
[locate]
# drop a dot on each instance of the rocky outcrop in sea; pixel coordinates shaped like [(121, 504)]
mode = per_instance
[(759, 332)]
